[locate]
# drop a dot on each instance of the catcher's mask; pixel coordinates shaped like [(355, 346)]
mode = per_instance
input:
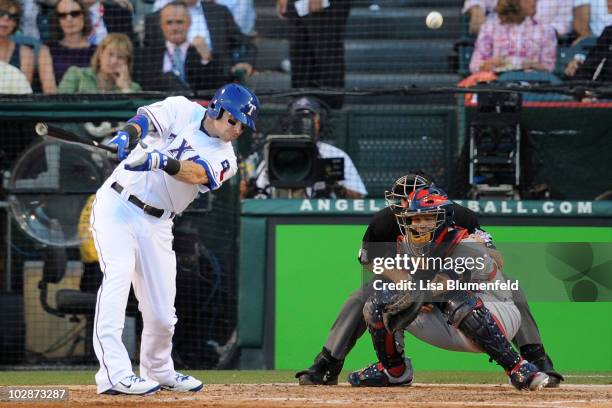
[(426, 214), (397, 198)]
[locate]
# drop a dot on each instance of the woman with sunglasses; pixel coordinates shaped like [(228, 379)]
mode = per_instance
[(70, 28), (20, 56)]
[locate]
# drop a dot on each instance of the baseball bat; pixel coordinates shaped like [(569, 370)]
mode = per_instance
[(44, 129)]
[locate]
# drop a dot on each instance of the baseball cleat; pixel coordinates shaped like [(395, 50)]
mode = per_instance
[(525, 376), (376, 375), (536, 355), (545, 365), (133, 385), (324, 371), (183, 383)]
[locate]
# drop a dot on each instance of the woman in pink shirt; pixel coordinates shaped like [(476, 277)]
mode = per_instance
[(513, 40)]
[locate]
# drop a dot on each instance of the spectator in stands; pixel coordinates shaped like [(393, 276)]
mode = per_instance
[(591, 17), (19, 56), (243, 12), (12, 80), (557, 13), (110, 69), (29, 26), (215, 36), (109, 17), (316, 43), (70, 32), (175, 65), (307, 116), (598, 63), (512, 40)]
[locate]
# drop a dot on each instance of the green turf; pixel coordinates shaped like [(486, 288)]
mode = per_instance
[(254, 377)]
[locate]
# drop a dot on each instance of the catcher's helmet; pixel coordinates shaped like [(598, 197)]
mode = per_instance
[(238, 100), (425, 201), (397, 198)]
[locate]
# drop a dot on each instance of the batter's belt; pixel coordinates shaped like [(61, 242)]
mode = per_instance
[(155, 212)]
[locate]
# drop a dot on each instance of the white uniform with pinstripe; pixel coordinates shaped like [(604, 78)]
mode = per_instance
[(136, 248)]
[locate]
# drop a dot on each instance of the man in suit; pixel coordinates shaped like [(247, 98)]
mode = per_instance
[(216, 37), (182, 65)]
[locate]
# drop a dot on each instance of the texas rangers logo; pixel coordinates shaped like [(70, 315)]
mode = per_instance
[(183, 148), (250, 109), (225, 165)]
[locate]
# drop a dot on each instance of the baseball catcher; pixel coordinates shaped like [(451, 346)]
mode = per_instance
[(350, 324), (454, 319)]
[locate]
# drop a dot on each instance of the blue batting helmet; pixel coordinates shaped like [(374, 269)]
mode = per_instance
[(238, 100)]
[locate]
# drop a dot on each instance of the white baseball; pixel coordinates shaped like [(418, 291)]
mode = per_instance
[(434, 20)]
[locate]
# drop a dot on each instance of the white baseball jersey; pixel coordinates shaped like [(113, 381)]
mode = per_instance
[(176, 131)]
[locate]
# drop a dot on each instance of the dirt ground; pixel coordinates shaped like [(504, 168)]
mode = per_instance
[(292, 395)]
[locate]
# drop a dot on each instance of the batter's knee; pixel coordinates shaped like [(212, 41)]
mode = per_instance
[(160, 324)]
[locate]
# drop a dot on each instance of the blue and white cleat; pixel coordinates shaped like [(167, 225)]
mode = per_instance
[(183, 383), (375, 375), (133, 385), (526, 376)]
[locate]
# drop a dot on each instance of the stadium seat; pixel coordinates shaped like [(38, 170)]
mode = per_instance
[(398, 56), (401, 23)]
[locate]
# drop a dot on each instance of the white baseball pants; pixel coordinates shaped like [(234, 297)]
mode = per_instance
[(134, 248), (434, 329)]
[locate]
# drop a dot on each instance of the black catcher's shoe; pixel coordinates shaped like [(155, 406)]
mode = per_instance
[(324, 371), (375, 375), (535, 354)]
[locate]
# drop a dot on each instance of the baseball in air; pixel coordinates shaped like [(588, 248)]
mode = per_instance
[(434, 20)]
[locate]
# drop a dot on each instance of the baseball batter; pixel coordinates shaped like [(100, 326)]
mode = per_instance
[(185, 149), (350, 325), (453, 319)]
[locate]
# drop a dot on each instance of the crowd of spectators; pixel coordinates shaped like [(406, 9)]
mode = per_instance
[(91, 46), (61, 45), (524, 35)]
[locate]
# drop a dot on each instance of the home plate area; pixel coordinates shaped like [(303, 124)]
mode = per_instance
[(292, 395)]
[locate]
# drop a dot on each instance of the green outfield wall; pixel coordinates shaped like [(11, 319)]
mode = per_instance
[(316, 271)]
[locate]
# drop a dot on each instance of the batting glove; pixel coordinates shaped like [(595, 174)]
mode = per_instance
[(143, 161), (122, 141)]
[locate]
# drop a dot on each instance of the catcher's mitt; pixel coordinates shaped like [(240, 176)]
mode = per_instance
[(403, 309)]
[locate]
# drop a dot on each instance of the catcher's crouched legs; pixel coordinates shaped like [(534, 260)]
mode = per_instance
[(392, 368), (469, 314)]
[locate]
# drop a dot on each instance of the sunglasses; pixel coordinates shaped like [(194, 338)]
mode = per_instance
[(12, 16), (73, 14), (234, 122), (172, 22)]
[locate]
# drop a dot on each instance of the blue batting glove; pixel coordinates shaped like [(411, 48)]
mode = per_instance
[(144, 161), (122, 141)]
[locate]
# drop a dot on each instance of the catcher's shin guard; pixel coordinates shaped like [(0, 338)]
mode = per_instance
[(324, 371), (467, 312), (388, 351)]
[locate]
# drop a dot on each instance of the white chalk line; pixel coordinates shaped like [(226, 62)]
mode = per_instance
[(541, 404)]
